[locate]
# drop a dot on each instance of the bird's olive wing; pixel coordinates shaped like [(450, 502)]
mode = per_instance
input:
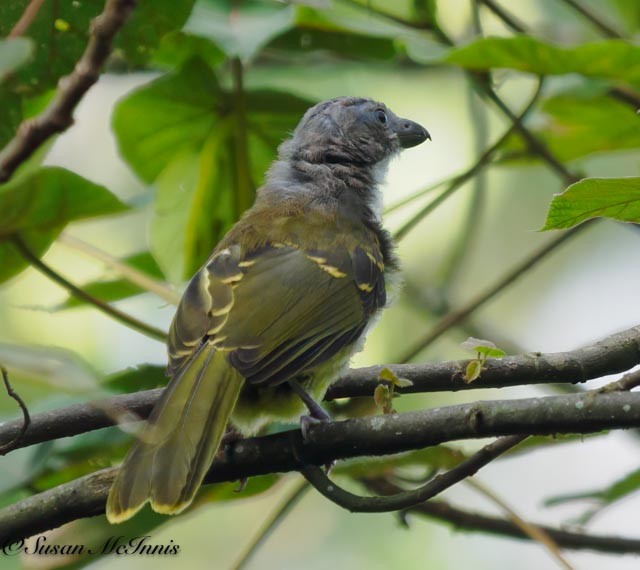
[(278, 310)]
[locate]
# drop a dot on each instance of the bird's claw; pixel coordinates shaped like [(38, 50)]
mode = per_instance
[(305, 424)]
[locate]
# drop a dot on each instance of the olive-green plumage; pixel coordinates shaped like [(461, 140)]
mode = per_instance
[(285, 296)]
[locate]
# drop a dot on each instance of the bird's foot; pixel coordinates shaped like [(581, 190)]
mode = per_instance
[(305, 424), (242, 485)]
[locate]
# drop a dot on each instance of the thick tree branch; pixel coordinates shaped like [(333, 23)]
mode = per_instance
[(616, 353), (58, 116), (328, 441), (476, 522)]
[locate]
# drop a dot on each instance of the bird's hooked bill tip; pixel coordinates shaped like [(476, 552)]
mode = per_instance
[(411, 134)]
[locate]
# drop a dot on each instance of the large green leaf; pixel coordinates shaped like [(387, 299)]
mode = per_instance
[(616, 198), (363, 21), (60, 32), (243, 28), (575, 126), (180, 133), (37, 206), (176, 48), (611, 59), (171, 115)]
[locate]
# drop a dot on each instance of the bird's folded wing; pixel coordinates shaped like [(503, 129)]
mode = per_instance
[(278, 310)]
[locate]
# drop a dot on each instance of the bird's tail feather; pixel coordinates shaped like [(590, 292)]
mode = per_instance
[(167, 464)]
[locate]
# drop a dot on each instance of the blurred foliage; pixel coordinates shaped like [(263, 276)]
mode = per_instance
[(38, 205), (200, 141)]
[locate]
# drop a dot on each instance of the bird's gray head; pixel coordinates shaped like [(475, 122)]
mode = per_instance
[(351, 131)]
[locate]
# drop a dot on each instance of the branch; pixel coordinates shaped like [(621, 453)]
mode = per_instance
[(360, 437), (27, 18), (406, 499), (14, 442), (475, 522), (616, 353), (118, 315), (605, 28), (534, 531), (58, 116), (483, 160)]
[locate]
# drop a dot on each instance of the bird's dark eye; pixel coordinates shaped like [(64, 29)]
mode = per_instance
[(381, 116)]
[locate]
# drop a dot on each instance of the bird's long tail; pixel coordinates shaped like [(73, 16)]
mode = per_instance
[(167, 464)]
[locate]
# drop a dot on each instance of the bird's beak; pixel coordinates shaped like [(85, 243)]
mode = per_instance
[(410, 133)]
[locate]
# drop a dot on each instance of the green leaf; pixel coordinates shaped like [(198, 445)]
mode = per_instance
[(143, 377), (179, 132), (582, 126), (38, 205), (611, 59), (14, 52), (485, 347), (171, 115), (360, 20), (473, 371), (616, 198), (147, 26), (118, 289), (304, 39), (240, 29), (60, 32), (176, 48), (605, 497), (575, 126)]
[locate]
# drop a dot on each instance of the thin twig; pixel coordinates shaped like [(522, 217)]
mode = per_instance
[(27, 18), (58, 116), (536, 145), (267, 529), (483, 160), (476, 522), (26, 418), (454, 317), (605, 28), (509, 19), (462, 242), (534, 531), (118, 315), (418, 194), (407, 499), (135, 276)]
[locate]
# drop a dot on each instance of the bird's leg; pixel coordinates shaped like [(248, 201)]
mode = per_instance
[(317, 412), (231, 436)]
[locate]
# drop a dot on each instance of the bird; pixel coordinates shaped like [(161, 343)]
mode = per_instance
[(281, 305)]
